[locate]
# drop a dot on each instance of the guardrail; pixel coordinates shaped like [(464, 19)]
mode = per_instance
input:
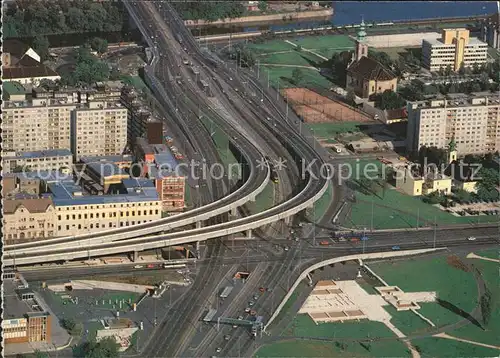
[(172, 222), (159, 240), (162, 240)]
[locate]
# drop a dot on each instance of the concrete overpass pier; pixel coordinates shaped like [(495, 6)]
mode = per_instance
[(249, 233), (199, 224), (135, 256)]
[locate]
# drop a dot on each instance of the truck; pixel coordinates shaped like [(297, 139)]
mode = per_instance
[(324, 243)]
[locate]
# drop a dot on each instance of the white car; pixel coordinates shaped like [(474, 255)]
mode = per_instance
[(138, 266), (471, 238)]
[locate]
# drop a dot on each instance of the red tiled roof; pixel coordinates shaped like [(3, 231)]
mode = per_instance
[(370, 69), (11, 73)]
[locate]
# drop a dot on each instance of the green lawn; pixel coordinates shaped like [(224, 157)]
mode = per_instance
[(313, 349), (311, 77), (270, 46), (407, 321), (294, 58), (222, 144), (392, 209), (440, 347), (287, 306), (135, 81), (321, 206), (490, 274), (492, 254), (263, 201), (304, 326), (432, 274), (339, 42)]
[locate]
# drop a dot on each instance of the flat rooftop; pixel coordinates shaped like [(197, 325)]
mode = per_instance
[(473, 41), (68, 193), (107, 158), (14, 307), (41, 154), (459, 100)]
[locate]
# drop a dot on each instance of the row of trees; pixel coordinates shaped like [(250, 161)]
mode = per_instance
[(209, 10), (26, 18), (88, 69)]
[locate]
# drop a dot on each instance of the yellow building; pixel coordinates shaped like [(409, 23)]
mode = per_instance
[(366, 76), (455, 48), (470, 186), (28, 219), (412, 183)]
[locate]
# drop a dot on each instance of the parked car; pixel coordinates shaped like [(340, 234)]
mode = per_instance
[(471, 238)]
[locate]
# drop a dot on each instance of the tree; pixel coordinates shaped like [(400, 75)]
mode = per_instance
[(262, 6), (105, 348), (381, 57), (351, 97), (297, 76), (39, 354), (88, 69), (41, 46), (447, 70), (68, 324), (98, 44), (243, 55), (389, 100)]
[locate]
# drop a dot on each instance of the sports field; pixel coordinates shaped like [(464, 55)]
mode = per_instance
[(279, 59), (315, 108)]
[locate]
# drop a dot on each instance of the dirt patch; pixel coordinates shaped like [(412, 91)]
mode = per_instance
[(314, 108)]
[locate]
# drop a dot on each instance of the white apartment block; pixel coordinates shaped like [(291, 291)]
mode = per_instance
[(474, 122), (37, 124), (99, 128), (453, 49), (49, 160)]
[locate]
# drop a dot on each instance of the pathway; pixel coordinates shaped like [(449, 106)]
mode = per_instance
[(474, 256), (307, 50), (446, 336)]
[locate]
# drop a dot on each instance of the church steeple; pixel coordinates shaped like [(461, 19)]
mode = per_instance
[(452, 150), (361, 48), (361, 35)]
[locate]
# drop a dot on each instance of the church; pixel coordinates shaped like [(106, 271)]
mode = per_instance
[(365, 75)]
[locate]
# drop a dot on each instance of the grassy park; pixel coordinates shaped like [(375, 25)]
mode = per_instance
[(279, 59), (355, 334), (391, 209), (455, 287)]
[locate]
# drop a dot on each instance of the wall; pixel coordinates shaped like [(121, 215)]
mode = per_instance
[(14, 223), (80, 218)]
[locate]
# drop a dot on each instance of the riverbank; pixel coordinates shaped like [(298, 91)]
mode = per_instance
[(260, 19), (413, 26)]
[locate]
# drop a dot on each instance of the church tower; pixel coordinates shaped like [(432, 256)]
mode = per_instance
[(361, 46), (452, 151)]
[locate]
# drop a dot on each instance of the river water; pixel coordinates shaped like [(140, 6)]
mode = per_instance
[(350, 12)]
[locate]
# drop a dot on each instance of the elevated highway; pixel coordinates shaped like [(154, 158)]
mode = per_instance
[(129, 239)]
